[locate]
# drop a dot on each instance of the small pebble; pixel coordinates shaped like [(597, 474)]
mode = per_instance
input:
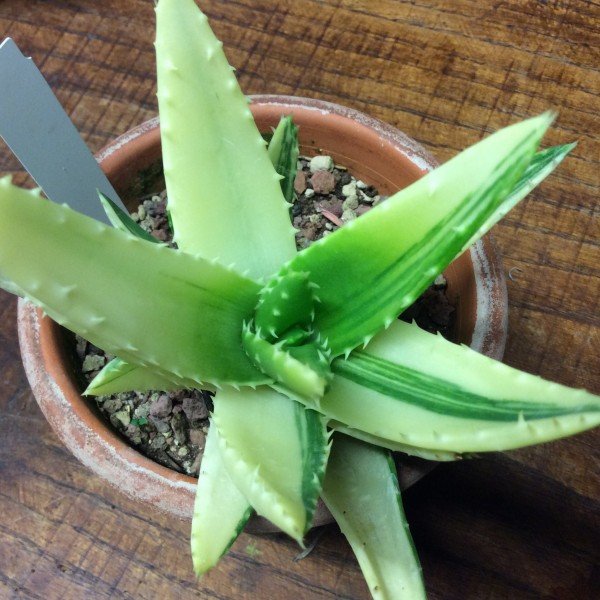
[(349, 189), (149, 224), (161, 406), (350, 203), (161, 424), (321, 163), (93, 362), (440, 281), (300, 182), (323, 182), (112, 405), (345, 178), (134, 434), (364, 198), (348, 215), (158, 443), (197, 437), (309, 232), (195, 466), (194, 409), (142, 411), (179, 425), (309, 193), (160, 235), (122, 416), (81, 347)]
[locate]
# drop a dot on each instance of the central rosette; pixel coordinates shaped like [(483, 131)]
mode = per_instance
[(281, 340)]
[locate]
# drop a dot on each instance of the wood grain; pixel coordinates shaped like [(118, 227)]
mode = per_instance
[(522, 525)]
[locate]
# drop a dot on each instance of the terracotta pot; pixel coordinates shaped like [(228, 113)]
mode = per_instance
[(374, 152)]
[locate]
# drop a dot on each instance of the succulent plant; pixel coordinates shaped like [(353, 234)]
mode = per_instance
[(316, 379)]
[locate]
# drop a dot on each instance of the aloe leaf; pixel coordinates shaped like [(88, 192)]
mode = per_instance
[(424, 391), (221, 184), (220, 511), (361, 490), (224, 194), (283, 152), (96, 280), (543, 163), (120, 376), (399, 247), (280, 470), (425, 453), (121, 220)]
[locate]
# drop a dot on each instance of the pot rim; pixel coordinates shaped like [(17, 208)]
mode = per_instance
[(99, 448)]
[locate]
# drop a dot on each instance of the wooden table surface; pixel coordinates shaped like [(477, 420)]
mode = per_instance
[(520, 525)]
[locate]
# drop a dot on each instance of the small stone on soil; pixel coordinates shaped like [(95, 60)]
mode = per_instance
[(321, 163), (194, 409), (179, 427), (348, 215), (93, 362), (160, 424), (323, 182), (350, 203), (161, 406), (122, 416), (349, 189), (197, 437), (300, 182), (112, 405)]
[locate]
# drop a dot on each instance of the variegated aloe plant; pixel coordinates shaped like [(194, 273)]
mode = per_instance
[(296, 345)]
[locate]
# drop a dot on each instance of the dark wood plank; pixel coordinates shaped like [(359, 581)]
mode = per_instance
[(521, 525)]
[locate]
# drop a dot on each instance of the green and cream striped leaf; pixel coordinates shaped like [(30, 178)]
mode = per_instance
[(361, 490), (224, 194), (399, 247), (543, 163), (416, 388), (48, 251), (283, 152), (220, 511), (279, 470), (425, 453)]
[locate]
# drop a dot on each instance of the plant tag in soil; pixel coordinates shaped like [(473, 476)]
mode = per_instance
[(36, 128)]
